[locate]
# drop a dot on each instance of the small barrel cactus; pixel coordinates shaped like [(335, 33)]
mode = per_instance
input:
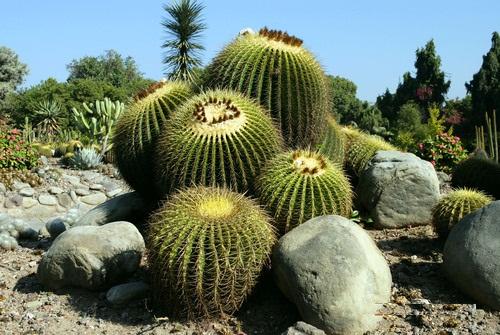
[(361, 147), (479, 173), (333, 144), (274, 68), (206, 248), (216, 138), (86, 159), (137, 131), (452, 207), (299, 185)]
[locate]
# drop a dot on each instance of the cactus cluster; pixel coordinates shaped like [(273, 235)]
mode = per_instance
[(360, 148), (298, 185), (138, 128), (333, 144), (216, 138), (454, 206), (283, 76), (478, 173), (206, 248)]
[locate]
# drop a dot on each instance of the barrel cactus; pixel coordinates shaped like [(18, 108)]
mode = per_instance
[(206, 248), (298, 185), (479, 173), (274, 68), (454, 206), (333, 144), (137, 131), (216, 138), (361, 147)]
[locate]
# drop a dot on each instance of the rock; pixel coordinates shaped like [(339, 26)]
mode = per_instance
[(56, 227), (109, 186), (398, 189), (121, 294), (64, 200), (17, 185), (82, 192), (96, 187), (113, 193), (94, 199), (90, 176), (126, 207), (27, 192), (55, 190), (3, 189), (47, 199), (29, 202), (302, 328), (471, 256), (13, 201), (73, 180), (44, 160), (73, 196), (333, 272), (92, 257)]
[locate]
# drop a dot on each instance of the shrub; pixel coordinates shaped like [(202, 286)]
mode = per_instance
[(444, 151), (14, 152), (479, 173)]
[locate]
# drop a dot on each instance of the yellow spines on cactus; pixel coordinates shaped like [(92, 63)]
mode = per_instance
[(333, 144), (206, 248)]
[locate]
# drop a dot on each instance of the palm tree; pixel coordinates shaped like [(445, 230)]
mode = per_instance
[(184, 27)]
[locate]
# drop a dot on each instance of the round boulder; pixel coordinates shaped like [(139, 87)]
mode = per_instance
[(398, 189), (333, 272), (471, 256), (92, 257)]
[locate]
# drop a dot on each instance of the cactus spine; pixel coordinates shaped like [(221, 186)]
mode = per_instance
[(333, 144), (216, 138), (284, 77), (299, 185), (206, 248), (138, 129)]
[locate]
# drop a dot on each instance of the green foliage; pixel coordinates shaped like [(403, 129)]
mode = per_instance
[(361, 147), (138, 128), (454, 206), (284, 77), (184, 27), (409, 117), (478, 173), (9, 175), (85, 159), (14, 152), (298, 185), (333, 144), (12, 72), (98, 120), (484, 87), (49, 112), (444, 151), (216, 138), (492, 137), (206, 249)]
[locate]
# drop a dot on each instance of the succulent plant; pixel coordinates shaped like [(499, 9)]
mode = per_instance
[(298, 185), (206, 248), (283, 76), (9, 175), (361, 147), (216, 138), (85, 159), (478, 173), (452, 207), (333, 144), (138, 128)]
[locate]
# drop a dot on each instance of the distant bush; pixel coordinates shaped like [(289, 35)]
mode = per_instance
[(444, 151), (14, 152)]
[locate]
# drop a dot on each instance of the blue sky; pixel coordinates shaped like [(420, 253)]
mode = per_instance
[(370, 42)]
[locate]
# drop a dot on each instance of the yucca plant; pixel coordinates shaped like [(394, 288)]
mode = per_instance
[(49, 112), (138, 129), (215, 138), (274, 68), (184, 27), (298, 185), (206, 248)]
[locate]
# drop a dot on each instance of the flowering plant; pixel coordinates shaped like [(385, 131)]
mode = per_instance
[(444, 151), (14, 152)]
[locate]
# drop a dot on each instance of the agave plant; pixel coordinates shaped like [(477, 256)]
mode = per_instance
[(86, 159), (49, 112)]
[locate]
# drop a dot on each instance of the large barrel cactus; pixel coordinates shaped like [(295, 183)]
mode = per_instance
[(137, 131), (479, 173), (216, 138), (206, 248), (454, 206), (299, 185), (333, 144), (274, 68)]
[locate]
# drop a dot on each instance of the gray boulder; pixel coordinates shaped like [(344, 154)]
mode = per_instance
[(123, 293), (126, 207), (471, 256), (302, 328), (92, 257), (333, 272), (398, 190)]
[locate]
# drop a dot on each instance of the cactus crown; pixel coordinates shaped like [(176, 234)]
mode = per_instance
[(216, 117), (280, 36), (308, 162)]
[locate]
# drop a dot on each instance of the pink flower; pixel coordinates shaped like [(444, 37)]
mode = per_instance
[(433, 163)]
